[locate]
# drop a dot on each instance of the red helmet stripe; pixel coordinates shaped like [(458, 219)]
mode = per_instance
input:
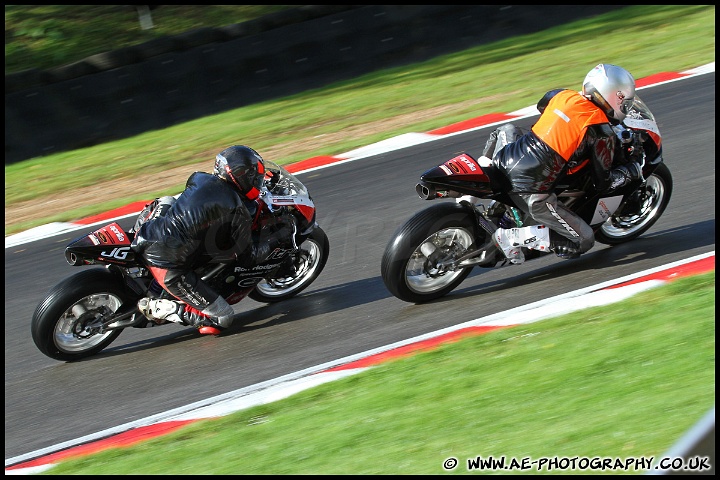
[(232, 177)]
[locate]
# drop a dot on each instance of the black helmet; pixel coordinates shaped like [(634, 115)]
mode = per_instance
[(243, 168)]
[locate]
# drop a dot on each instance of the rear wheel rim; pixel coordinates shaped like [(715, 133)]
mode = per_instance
[(454, 242), (73, 331)]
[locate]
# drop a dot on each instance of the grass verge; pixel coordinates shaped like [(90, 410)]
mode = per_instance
[(620, 381)]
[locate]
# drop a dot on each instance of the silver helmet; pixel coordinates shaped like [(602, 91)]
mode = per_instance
[(611, 88)]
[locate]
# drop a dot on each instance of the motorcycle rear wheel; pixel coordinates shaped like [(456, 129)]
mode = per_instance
[(62, 323), (405, 269), (641, 211), (309, 263)]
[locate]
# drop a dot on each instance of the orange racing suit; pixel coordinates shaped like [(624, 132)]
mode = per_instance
[(570, 133)]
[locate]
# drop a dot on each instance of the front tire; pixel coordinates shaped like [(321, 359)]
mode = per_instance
[(63, 323), (451, 230), (309, 262), (641, 210)]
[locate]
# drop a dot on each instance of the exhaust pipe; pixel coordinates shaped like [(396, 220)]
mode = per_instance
[(425, 192), (73, 259)]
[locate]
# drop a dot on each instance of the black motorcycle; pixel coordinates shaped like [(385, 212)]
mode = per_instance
[(435, 250), (86, 312)]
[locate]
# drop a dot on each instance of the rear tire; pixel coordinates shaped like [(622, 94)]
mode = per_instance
[(405, 269), (62, 322)]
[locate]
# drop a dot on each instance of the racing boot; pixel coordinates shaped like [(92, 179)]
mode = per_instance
[(163, 310), (203, 322), (511, 241), (564, 247)]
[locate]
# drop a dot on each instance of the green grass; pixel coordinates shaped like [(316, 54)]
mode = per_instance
[(499, 77), (620, 381), (48, 36)]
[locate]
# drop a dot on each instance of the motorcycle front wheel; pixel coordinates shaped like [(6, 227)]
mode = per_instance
[(309, 261), (65, 324), (417, 264), (640, 211)]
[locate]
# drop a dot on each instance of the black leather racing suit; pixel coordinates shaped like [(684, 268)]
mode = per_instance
[(209, 221), (579, 132)]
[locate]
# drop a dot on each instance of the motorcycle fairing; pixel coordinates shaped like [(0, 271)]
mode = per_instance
[(110, 234), (605, 208), (302, 203), (597, 209), (283, 189), (462, 174), (640, 118), (235, 282), (464, 165), (109, 244)]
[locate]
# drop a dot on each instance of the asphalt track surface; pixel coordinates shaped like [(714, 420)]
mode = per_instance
[(361, 200), (698, 441)]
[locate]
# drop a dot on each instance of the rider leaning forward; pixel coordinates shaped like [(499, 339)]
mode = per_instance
[(210, 221), (573, 129)]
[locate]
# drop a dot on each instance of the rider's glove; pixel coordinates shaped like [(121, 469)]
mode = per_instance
[(625, 174)]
